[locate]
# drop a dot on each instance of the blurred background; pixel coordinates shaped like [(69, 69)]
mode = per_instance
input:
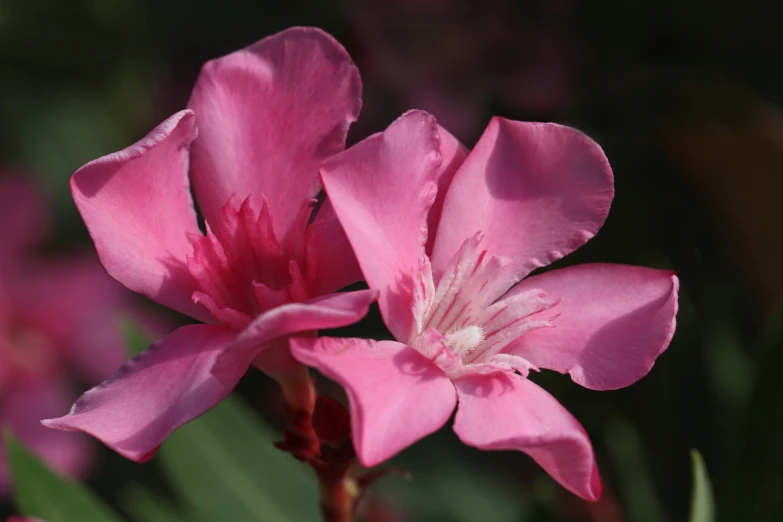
[(684, 96)]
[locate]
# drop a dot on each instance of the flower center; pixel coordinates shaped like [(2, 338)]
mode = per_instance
[(241, 268), (465, 340), (460, 324)]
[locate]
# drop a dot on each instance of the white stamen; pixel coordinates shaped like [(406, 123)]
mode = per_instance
[(460, 324), (465, 339)]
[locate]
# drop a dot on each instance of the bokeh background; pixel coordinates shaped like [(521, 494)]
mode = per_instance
[(685, 97)]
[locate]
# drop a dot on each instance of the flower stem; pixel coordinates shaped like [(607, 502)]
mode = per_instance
[(340, 490), (320, 435), (338, 498)]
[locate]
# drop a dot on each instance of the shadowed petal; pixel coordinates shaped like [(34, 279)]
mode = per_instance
[(331, 263), (327, 311), (453, 153), (397, 396), (382, 189), (136, 204), (537, 191), (504, 411), (154, 393), (269, 115), (612, 322)]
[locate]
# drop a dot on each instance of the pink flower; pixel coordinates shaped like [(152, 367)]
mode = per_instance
[(268, 116), (16, 518), (57, 324), (447, 237)]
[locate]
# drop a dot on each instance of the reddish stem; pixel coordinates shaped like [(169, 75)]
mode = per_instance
[(322, 439), (339, 496)]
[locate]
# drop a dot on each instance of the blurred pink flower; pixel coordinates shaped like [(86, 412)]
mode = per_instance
[(58, 322), (469, 331), (268, 115), (457, 59), (16, 518)]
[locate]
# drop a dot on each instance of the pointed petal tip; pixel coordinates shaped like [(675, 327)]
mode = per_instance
[(54, 424), (674, 296), (152, 394), (148, 456), (508, 412), (185, 118), (71, 422), (596, 487)]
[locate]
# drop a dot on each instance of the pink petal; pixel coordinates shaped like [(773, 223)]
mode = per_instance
[(612, 322), (137, 206), (23, 213), (536, 190), (504, 411), (331, 263), (22, 408), (154, 393), (382, 190), (328, 311), (397, 396), (269, 115), (454, 154)]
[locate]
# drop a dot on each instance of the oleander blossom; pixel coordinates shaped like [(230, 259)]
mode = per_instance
[(269, 264), (58, 319), (448, 238)]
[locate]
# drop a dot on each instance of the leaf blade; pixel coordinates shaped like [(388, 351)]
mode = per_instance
[(223, 466), (41, 493), (702, 499)]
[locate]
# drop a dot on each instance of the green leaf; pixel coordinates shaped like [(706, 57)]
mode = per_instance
[(446, 486), (136, 339), (41, 493), (750, 489), (702, 500), (57, 131), (635, 483), (145, 505), (223, 466)]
